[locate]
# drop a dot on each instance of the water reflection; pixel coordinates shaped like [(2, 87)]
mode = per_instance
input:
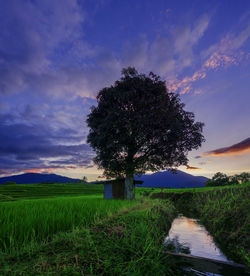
[(189, 232)]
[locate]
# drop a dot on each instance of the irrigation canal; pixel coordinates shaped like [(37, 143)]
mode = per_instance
[(196, 251)]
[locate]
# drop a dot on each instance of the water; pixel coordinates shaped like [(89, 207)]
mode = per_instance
[(191, 234)]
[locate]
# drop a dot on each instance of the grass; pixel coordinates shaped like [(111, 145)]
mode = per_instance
[(69, 229), (201, 189), (37, 191), (127, 243), (29, 221), (225, 213)]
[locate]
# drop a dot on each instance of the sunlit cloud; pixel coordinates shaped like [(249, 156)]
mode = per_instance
[(221, 55), (47, 170), (239, 148), (192, 168), (101, 177)]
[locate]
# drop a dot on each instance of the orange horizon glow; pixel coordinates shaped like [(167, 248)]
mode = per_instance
[(47, 170)]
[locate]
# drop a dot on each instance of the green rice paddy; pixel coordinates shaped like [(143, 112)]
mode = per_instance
[(69, 229)]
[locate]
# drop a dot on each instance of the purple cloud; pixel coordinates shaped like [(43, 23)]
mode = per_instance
[(44, 139), (241, 147)]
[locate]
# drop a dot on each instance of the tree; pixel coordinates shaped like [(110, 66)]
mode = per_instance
[(234, 180), (221, 179), (84, 179), (244, 177), (139, 126), (211, 183)]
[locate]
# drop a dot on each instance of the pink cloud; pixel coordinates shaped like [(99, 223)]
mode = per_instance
[(226, 53)]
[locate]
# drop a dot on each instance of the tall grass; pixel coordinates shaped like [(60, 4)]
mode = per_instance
[(127, 244), (27, 221)]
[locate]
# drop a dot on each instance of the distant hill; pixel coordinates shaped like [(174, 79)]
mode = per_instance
[(167, 179), (29, 178), (156, 180)]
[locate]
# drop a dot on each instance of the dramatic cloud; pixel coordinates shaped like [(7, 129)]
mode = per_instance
[(47, 67), (37, 138), (242, 147), (48, 55), (167, 54), (56, 55), (28, 40), (42, 51)]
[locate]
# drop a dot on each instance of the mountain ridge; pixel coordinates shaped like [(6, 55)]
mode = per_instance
[(32, 178), (162, 179), (168, 179)]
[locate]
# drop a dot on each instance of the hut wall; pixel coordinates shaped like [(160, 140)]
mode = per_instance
[(108, 191), (118, 190)]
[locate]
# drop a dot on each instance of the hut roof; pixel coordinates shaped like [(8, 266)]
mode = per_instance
[(114, 181)]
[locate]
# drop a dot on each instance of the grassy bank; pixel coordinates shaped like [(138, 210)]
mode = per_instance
[(224, 212), (127, 243)]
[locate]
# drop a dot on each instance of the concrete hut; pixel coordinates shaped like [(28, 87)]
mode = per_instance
[(115, 189)]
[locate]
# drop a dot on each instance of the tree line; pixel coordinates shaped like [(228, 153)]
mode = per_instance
[(221, 179)]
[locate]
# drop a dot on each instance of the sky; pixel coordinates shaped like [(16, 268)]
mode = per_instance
[(56, 55)]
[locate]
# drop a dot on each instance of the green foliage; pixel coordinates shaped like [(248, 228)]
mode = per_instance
[(212, 183), (85, 179), (234, 180), (139, 126), (244, 177), (226, 215), (221, 179)]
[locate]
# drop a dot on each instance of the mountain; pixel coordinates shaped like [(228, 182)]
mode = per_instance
[(167, 179), (156, 180), (29, 178)]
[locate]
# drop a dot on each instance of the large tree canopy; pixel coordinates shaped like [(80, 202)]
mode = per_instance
[(139, 126)]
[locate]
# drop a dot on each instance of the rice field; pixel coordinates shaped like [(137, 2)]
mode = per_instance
[(127, 243), (70, 228), (37, 191), (26, 222)]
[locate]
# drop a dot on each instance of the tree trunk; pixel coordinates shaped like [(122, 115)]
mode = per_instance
[(129, 187)]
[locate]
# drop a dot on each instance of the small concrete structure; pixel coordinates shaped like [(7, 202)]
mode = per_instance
[(115, 189), (203, 265), (108, 191)]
